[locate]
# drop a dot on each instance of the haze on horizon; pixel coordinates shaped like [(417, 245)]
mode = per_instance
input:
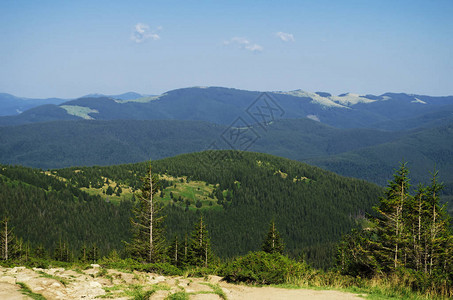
[(71, 48)]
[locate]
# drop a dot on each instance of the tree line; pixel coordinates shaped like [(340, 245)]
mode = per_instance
[(408, 231)]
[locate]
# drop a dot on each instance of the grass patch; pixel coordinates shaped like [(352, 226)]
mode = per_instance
[(216, 289), (375, 288), (79, 111), (24, 289), (62, 280), (133, 291), (178, 296)]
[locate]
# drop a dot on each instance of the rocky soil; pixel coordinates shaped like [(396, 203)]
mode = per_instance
[(98, 283)]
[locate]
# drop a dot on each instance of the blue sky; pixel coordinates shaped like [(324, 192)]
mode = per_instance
[(71, 48)]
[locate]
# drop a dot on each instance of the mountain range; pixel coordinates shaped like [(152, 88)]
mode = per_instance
[(359, 136), (390, 111)]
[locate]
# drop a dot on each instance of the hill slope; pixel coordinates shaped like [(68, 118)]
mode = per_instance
[(424, 151), (312, 207), (63, 144), (12, 105)]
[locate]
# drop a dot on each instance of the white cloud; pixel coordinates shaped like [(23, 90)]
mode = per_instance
[(244, 44), (142, 32), (286, 37)]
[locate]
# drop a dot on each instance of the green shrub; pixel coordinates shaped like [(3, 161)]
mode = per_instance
[(199, 271), (131, 265), (263, 268), (162, 268)]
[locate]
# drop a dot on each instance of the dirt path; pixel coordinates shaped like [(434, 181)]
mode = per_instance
[(96, 282)]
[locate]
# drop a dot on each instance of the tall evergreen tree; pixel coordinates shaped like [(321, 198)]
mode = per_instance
[(390, 223), (7, 239), (62, 252), (273, 243), (439, 229), (175, 252), (148, 240), (199, 252), (413, 232)]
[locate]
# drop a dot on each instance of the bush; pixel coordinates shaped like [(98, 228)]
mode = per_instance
[(200, 271), (131, 265), (162, 268), (263, 268)]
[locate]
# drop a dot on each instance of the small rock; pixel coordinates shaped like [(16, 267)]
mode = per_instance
[(8, 279), (95, 266), (17, 269), (95, 284)]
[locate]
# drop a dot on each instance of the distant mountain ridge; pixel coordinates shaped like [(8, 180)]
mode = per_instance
[(12, 105), (223, 105)]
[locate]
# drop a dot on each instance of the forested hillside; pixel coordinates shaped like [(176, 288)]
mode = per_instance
[(311, 207), (71, 143), (424, 151), (46, 211)]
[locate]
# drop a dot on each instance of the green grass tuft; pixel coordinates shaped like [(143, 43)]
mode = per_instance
[(24, 289)]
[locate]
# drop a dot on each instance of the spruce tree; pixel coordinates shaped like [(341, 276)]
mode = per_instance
[(93, 253), (390, 223), (413, 232), (199, 251), (439, 230), (174, 252), (148, 240), (273, 243), (7, 239), (62, 252)]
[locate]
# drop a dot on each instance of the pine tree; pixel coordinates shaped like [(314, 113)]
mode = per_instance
[(273, 243), (93, 253), (413, 232), (40, 252), (84, 253), (62, 252), (199, 250), (109, 191), (175, 252), (148, 241), (418, 217), (438, 224), (390, 223), (7, 239)]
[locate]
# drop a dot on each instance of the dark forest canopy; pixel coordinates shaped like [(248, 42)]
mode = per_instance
[(312, 207)]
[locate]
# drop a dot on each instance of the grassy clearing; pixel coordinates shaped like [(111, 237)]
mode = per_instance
[(181, 192), (24, 289), (80, 111), (187, 193)]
